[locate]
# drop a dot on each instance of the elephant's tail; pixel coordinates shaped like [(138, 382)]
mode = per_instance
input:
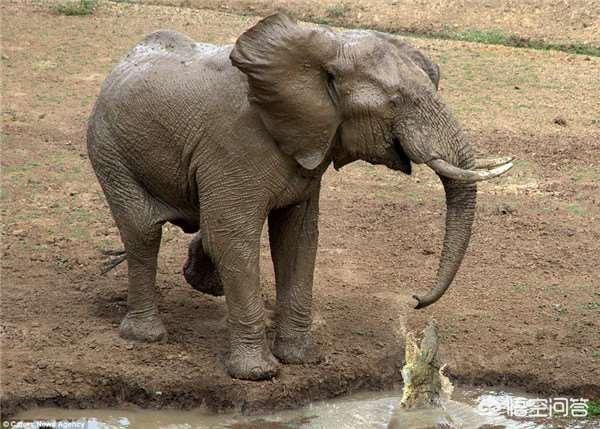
[(115, 257)]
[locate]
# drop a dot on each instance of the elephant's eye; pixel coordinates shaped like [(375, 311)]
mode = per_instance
[(330, 78), (397, 101), (331, 89)]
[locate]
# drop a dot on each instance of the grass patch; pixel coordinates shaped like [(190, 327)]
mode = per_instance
[(594, 306), (337, 10), (498, 37), (520, 287), (336, 15), (551, 287), (491, 37), (413, 196), (86, 100), (49, 98), (20, 168), (576, 209), (76, 8), (586, 175), (560, 310), (593, 408)]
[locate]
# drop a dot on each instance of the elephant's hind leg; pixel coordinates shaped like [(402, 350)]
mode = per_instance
[(141, 229), (199, 270), (142, 322)]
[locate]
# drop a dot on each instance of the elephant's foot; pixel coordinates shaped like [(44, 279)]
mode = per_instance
[(147, 328), (296, 349), (252, 364)]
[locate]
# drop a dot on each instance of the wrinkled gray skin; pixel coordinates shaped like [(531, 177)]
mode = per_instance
[(220, 139)]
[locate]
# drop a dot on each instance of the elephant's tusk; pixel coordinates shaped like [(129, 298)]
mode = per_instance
[(487, 163), (448, 170)]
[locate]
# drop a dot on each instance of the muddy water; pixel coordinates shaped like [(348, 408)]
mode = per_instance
[(471, 408)]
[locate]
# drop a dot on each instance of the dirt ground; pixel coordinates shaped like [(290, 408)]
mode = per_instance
[(524, 310)]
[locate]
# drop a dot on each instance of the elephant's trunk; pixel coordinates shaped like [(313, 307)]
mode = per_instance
[(460, 212), (441, 144)]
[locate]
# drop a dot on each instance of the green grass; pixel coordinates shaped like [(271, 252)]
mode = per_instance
[(491, 37), (76, 8), (594, 306), (86, 100), (413, 196), (80, 233), (520, 287), (586, 175), (49, 98), (337, 10), (498, 37), (576, 209), (20, 168), (551, 287), (593, 408), (335, 15)]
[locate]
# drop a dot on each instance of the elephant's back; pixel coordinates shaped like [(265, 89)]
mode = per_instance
[(159, 104), (162, 59), (167, 91)]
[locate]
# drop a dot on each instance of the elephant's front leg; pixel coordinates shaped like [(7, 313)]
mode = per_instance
[(293, 234), (233, 242)]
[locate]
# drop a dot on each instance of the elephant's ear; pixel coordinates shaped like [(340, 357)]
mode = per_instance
[(417, 56), (284, 63)]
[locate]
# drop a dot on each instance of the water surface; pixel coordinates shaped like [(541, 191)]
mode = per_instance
[(470, 408)]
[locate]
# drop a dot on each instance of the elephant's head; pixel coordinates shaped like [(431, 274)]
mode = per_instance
[(363, 95)]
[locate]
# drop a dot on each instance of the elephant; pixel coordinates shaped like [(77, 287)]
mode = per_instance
[(219, 140)]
